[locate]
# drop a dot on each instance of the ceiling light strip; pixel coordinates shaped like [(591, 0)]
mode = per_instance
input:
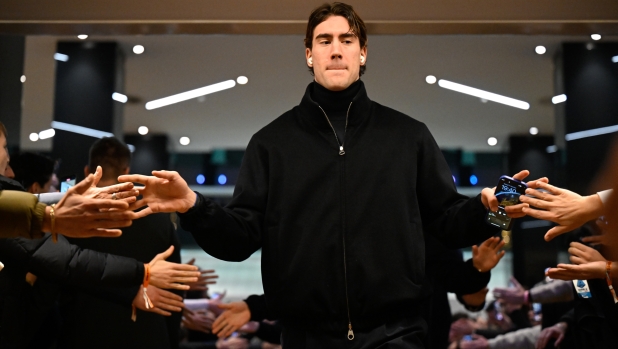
[(80, 129), (494, 97), (181, 97), (591, 133)]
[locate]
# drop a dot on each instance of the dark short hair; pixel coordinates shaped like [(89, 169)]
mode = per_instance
[(3, 130), (30, 168), (111, 154), (322, 13)]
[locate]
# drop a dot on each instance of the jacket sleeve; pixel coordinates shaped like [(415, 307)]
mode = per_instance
[(70, 265), (522, 339), (457, 221), (21, 215), (258, 308), (553, 292), (233, 233)]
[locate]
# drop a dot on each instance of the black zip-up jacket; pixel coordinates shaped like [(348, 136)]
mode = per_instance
[(341, 235)]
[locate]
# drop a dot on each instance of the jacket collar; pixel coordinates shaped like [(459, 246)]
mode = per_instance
[(359, 111)]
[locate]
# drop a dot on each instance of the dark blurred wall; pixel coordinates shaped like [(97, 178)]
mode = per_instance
[(83, 97), (11, 69)]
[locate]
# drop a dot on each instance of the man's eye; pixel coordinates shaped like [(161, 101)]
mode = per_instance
[(325, 42)]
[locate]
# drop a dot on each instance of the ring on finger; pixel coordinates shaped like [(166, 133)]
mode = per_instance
[(114, 196)]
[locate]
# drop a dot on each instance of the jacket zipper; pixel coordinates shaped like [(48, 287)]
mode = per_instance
[(345, 268)]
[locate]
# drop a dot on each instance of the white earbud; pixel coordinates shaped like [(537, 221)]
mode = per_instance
[(362, 59), (310, 61)]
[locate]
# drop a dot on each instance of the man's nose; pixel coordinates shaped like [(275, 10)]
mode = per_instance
[(335, 50)]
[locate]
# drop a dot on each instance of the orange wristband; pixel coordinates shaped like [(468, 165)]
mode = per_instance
[(146, 274)]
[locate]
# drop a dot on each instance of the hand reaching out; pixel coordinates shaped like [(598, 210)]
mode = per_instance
[(169, 275), (207, 277), (486, 256), (235, 315), (556, 331), (512, 295), (200, 320), (164, 301), (581, 254), (566, 208), (165, 191), (586, 271), (490, 201)]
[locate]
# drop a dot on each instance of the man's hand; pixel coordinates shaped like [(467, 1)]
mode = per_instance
[(566, 208), (123, 191), (164, 301), (475, 299), (486, 256), (586, 271), (200, 320), (556, 331), (165, 191), (168, 275), (581, 254), (235, 315), (207, 277), (477, 342), (490, 201), (512, 295), (80, 216)]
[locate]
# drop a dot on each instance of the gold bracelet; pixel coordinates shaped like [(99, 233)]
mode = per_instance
[(52, 215)]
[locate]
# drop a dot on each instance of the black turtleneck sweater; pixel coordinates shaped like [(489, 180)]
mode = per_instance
[(335, 104)]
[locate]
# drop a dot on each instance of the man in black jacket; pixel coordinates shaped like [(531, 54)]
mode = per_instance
[(337, 193)]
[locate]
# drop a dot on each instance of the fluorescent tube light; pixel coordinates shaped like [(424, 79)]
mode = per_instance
[(595, 37), (591, 133), (551, 149), (49, 133), (559, 99), (119, 97), (81, 130), (181, 97), (242, 80), (82, 36), (615, 59), (185, 140), (61, 57), (483, 94)]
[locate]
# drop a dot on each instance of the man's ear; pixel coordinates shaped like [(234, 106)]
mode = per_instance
[(86, 171), (308, 57), (34, 188)]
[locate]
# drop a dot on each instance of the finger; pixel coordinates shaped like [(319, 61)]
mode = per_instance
[(556, 231), (164, 255), (500, 255), (96, 204), (81, 187), (521, 175), (171, 296), (191, 262), (576, 260), (168, 307), (515, 282), (135, 178), (105, 233), (550, 188), (538, 214), (579, 246), (500, 245), (185, 269), (169, 175), (542, 342), (183, 280), (595, 240), (118, 188), (98, 173), (175, 286), (160, 311), (143, 213), (475, 250), (559, 340)]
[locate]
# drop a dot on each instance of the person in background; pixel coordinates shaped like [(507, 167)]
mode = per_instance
[(33, 171)]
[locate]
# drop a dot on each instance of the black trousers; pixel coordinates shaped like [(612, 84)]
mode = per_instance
[(400, 334)]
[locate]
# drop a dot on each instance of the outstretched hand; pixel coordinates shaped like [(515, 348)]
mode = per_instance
[(207, 277), (81, 215), (234, 316), (486, 256), (164, 301), (123, 191), (169, 275), (586, 271), (512, 295), (490, 201), (581, 254), (164, 191), (564, 207)]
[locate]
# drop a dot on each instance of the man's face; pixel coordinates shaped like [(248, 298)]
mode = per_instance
[(336, 54), (4, 154)]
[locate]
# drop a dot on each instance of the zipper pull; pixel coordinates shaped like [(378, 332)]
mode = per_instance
[(350, 332), (342, 152)]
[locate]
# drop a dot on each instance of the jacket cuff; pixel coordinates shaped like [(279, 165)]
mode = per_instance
[(36, 229)]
